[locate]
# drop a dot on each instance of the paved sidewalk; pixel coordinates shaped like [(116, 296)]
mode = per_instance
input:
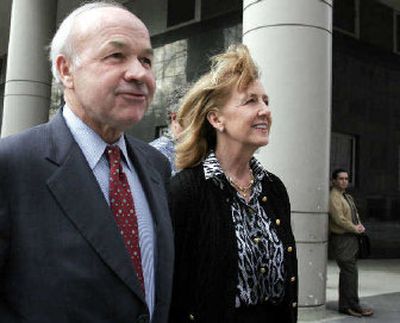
[(379, 288)]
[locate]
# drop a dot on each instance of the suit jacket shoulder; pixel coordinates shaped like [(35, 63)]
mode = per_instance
[(157, 159), (59, 245)]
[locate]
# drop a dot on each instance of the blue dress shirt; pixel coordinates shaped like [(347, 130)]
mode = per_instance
[(93, 148)]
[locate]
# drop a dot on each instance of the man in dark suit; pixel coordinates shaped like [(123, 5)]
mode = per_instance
[(85, 234)]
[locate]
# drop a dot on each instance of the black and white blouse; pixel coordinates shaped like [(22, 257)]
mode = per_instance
[(261, 255)]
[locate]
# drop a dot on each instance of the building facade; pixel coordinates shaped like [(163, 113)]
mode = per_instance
[(331, 69)]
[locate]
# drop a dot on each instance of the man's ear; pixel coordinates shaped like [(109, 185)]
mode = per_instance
[(64, 68), (215, 119), (172, 115)]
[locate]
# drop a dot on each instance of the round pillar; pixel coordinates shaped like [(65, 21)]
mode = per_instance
[(28, 79), (291, 41)]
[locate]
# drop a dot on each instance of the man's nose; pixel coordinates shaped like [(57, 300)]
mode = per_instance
[(136, 71)]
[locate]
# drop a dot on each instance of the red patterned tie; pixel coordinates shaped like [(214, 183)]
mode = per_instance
[(123, 208)]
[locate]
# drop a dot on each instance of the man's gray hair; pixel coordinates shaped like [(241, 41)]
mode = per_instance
[(62, 42)]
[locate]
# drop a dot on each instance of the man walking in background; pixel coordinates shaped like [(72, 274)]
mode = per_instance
[(167, 142)]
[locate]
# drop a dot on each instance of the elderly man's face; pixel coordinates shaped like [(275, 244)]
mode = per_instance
[(112, 83)]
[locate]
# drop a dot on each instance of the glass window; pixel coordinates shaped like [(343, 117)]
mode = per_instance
[(2, 69), (212, 8), (2, 84), (397, 32), (343, 154), (345, 16), (376, 24), (181, 11), (398, 168)]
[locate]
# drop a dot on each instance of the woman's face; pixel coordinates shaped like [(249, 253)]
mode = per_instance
[(245, 119)]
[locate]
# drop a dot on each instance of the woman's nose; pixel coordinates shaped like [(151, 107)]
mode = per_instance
[(264, 109)]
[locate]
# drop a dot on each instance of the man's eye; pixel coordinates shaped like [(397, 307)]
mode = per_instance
[(145, 61), (266, 101), (116, 55)]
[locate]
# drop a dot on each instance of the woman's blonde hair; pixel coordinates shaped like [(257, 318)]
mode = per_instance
[(233, 69)]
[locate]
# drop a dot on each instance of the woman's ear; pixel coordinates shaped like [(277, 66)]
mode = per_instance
[(64, 68), (215, 119)]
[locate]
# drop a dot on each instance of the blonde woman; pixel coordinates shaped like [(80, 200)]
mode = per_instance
[(235, 251)]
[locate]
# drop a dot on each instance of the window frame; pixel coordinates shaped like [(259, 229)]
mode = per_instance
[(351, 160), (197, 18), (356, 33), (396, 32)]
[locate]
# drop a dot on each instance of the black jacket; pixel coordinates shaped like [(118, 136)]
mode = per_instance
[(206, 265)]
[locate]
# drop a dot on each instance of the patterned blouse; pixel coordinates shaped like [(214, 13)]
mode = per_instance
[(261, 255)]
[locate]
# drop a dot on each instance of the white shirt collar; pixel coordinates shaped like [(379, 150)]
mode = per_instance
[(91, 144)]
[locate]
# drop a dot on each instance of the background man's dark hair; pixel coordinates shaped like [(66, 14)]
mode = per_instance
[(336, 172), (174, 100)]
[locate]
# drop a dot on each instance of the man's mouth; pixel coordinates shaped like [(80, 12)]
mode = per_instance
[(133, 95)]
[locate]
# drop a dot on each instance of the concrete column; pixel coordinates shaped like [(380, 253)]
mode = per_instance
[(291, 40), (28, 79)]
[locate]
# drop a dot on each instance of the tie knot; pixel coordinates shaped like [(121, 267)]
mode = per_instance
[(113, 154)]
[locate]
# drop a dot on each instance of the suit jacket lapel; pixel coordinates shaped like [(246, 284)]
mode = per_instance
[(149, 178), (79, 195), (156, 197)]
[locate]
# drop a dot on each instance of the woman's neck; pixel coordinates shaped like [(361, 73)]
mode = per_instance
[(235, 164)]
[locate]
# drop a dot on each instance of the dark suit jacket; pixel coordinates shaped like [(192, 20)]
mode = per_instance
[(62, 258)]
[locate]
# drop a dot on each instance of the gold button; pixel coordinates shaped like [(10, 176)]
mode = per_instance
[(278, 221), (293, 279), (263, 270), (294, 304), (264, 199), (257, 240), (290, 249), (191, 317)]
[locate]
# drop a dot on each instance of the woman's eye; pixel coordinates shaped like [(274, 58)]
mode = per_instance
[(251, 100)]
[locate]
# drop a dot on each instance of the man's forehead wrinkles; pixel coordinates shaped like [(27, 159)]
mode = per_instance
[(149, 51), (121, 44), (117, 43)]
